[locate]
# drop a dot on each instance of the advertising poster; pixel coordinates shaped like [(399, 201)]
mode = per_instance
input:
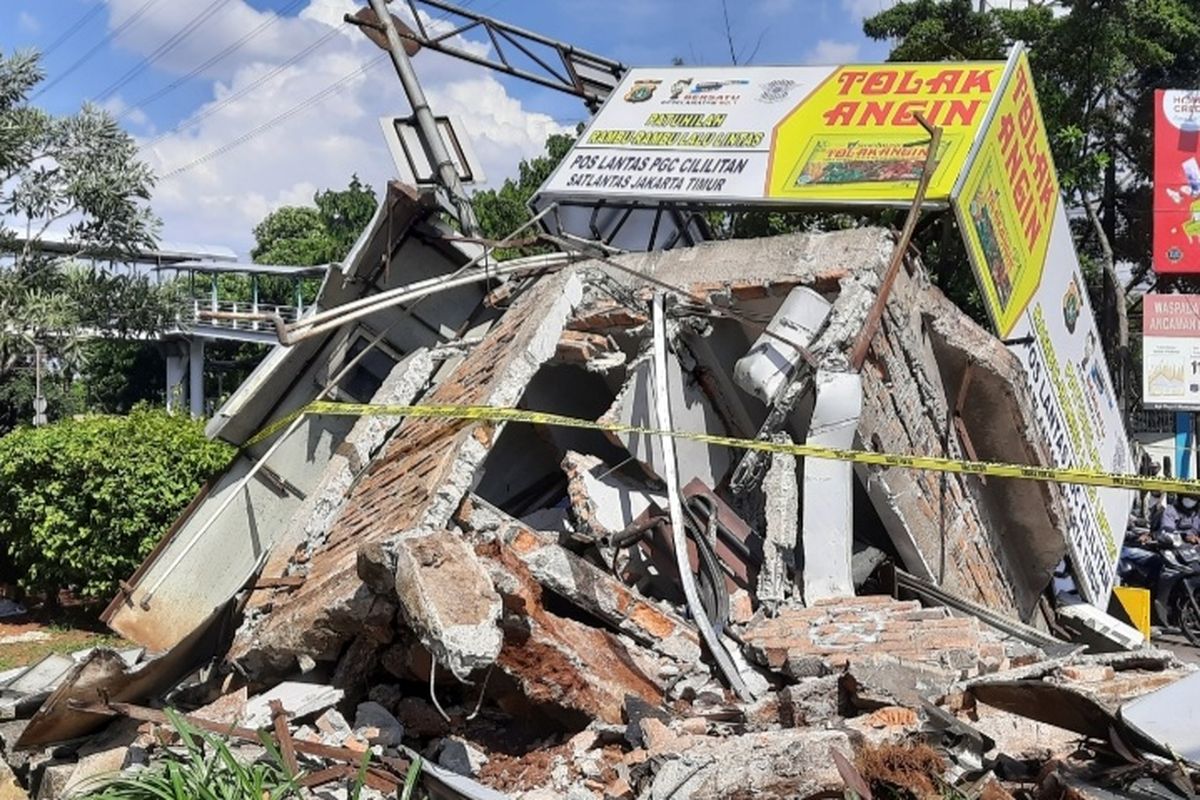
[(1171, 351), (1007, 202), (1176, 181), (1015, 228), (788, 135)]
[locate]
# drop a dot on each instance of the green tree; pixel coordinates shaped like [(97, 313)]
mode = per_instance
[(79, 172), (117, 375), (304, 236), (83, 501), (295, 236), (504, 210)]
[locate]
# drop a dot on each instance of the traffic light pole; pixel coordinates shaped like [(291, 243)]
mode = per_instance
[(427, 127)]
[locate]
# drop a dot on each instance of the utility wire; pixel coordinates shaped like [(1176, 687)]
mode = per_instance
[(271, 123), (283, 117), (245, 90), (167, 46), (199, 68), (110, 36), (69, 32)]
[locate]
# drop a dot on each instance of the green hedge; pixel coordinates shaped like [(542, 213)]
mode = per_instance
[(84, 500)]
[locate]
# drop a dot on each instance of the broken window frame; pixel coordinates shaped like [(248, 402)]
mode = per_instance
[(342, 351)]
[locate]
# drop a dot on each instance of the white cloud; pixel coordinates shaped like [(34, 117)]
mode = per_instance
[(828, 51), (28, 22), (322, 144), (866, 8), (120, 109)]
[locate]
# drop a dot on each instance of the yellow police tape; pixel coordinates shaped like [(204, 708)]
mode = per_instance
[(1082, 477)]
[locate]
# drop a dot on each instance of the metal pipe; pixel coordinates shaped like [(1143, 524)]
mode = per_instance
[(365, 301), (475, 276), (662, 421)]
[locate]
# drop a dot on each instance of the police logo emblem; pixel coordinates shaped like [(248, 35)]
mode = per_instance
[(641, 91)]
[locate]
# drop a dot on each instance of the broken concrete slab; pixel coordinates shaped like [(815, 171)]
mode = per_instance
[(1102, 632), (561, 663), (418, 480), (299, 700), (843, 632), (602, 501), (809, 702), (92, 767), (10, 788), (883, 680), (54, 779), (788, 763), (597, 592), (782, 490), (448, 599)]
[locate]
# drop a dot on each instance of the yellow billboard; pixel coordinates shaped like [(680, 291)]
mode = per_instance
[(856, 137), (1006, 204)]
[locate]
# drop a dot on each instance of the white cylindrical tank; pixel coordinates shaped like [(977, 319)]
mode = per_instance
[(771, 361)]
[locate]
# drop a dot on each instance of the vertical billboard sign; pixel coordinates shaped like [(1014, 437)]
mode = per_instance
[(1015, 228), (1176, 181), (1171, 351)]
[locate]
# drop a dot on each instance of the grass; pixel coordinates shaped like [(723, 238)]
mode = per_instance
[(70, 626), (63, 639), (207, 769)]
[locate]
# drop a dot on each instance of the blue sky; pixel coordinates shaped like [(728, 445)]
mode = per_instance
[(219, 199)]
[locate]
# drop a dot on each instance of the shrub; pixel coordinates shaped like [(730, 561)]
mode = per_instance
[(82, 501)]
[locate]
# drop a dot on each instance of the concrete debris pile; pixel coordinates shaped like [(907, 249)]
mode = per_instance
[(502, 601)]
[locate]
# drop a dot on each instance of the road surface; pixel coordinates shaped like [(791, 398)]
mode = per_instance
[(1179, 646)]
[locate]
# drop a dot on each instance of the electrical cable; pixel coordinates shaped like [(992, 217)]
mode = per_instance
[(167, 46), (245, 90), (110, 36), (283, 117), (215, 59), (69, 32), (271, 123)]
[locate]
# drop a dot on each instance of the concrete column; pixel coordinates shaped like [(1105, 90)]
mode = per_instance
[(828, 521), (782, 492), (176, 370), (196, 376)]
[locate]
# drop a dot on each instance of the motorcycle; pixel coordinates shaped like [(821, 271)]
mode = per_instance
[(1175, 592)]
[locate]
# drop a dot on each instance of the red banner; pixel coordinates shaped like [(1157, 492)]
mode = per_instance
[(1176, 181)]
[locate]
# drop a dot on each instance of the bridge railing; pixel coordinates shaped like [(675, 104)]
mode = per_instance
[(201, 310)]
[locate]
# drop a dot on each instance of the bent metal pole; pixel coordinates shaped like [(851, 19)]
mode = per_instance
[(426, 124)]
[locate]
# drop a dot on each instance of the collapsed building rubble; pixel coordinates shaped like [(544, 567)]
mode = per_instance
[(501, 598)]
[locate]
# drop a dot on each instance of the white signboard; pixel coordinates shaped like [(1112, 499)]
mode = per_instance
[(1014, 224), (1076, 410), (782, 135)]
